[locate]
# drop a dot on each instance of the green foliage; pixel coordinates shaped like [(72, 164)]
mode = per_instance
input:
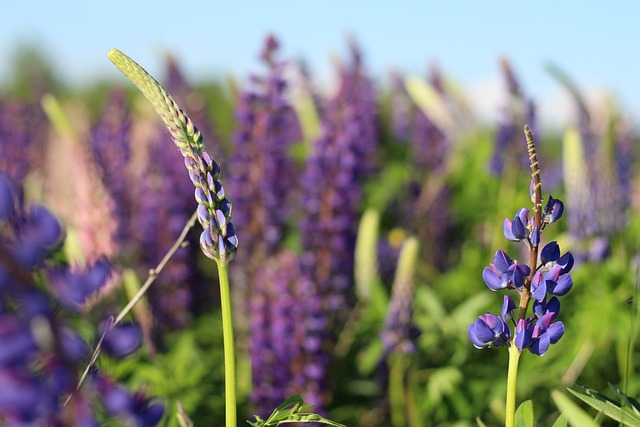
[(575, 416), (292, 410), (524, 414), (625, 411)]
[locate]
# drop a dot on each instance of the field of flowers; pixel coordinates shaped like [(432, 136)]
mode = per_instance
[(375, 249)]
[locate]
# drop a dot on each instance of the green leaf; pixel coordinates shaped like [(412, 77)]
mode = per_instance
[(608, 407), (576, 416), (524, 414), (627, 401), (561, 422), (282, 415), (480, 423), (366, 266), (427, 98)]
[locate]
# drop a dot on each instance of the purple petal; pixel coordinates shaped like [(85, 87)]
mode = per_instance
[(522, 339), (562, 286), (502, 261), (123, 340), (507, 308), (7, 207), (540, 292), (474, 338), (550, 252), (518, 273), (507, 229), (566, 262), (540, 345), (555, 332), (491, 279), (535, 236)]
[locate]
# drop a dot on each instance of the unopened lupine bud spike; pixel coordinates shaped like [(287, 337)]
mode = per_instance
[(203, 170)]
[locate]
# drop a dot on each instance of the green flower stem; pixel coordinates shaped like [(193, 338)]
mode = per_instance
[(512, 379), (227, 339)]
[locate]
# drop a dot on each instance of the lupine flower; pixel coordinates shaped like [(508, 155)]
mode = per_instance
[(331, 183), (40, 354), (288, 332), (596, 158), (158, 219), (520, 109), (427, 207), (550, 276), (23, 130), (110, 143), (135, 408), (262, 173), (399, 334), (489, 331), (218, 240)]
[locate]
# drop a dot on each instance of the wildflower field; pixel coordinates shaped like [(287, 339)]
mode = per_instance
[(175, 254)]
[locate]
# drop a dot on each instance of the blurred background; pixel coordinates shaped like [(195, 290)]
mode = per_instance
[(593, 44), (371, 153)]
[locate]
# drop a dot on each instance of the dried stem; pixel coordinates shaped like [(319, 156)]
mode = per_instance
[(153, 274)]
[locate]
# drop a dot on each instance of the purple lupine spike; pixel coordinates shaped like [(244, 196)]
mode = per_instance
[(262, 174), (23, 131), (331, 183), (428, 206), (546, 274), (399, 333), (110, 143), (520, 109), (163, 206), (288, 332)]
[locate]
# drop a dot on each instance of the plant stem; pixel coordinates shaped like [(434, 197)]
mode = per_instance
[(512, 379), (229, 352)]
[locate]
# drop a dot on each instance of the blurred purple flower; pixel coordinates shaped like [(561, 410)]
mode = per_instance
[(288, 332)]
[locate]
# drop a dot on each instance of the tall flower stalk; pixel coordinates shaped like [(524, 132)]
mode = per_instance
[(544, 278), (218, 241)]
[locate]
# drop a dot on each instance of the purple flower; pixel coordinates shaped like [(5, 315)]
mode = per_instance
[(545, 333), (505, 273), (550, 252), (262, 174), (136, 408), (553, 210), (74, 286), (159, 218), (40, 354), (516, 230), (507, 308), (550, 277), (122, 339), (289, 330), (489, 331)]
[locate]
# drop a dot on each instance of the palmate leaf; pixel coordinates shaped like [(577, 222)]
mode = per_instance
[(626, 414), (297, 414)]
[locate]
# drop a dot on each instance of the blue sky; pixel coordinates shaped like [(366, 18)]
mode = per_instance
[(596, 44)]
